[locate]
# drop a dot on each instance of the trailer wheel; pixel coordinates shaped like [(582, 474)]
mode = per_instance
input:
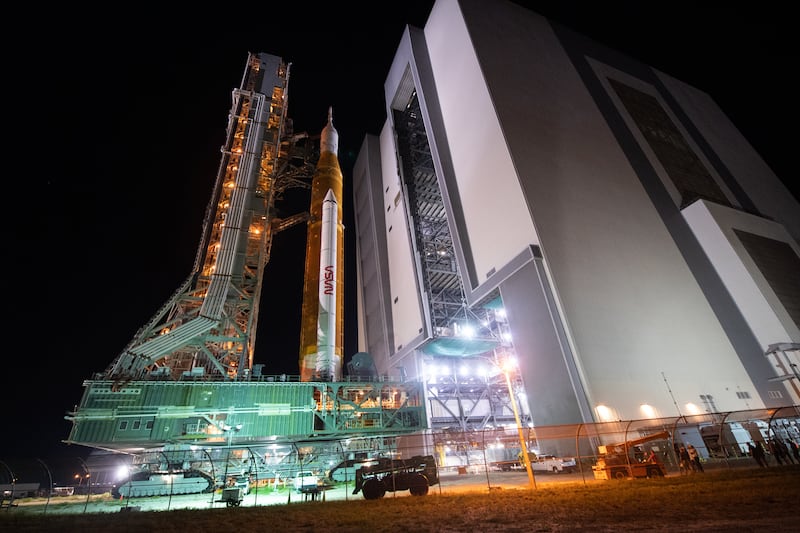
[(418, 485), (619, 474), (373, 489)]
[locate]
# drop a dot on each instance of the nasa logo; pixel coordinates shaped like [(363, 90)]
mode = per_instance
[(328, 281)]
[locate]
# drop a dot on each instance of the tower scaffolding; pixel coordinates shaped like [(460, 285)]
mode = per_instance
[(208, 326), (462, 401)]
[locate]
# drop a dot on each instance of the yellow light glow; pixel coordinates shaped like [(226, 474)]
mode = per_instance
[(509, 364)]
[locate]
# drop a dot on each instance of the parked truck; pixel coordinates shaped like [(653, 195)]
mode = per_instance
[(539, 463), (551, 463), (390, 475), (628, 459)]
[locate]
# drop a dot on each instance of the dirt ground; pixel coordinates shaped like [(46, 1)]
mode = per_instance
[(743, 500)]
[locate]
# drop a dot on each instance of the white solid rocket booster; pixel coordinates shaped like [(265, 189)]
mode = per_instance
[(326, 322)]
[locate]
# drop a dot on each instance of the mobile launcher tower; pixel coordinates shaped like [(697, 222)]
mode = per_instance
[(187, 379)]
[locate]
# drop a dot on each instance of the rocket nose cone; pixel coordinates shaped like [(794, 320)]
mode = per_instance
[(329, 140), (329, 196)]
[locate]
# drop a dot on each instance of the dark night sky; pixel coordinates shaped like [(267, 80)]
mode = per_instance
[(122, 122)]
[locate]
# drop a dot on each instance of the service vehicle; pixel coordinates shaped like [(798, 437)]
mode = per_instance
[(539, 463), (391, 475), (627, 459), (551, 463), (232, 496), (307, 481)]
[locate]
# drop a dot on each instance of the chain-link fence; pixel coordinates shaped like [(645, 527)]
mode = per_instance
[(435, 460)]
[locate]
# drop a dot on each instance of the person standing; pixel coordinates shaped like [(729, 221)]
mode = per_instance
[(758, 454), (795, 450), (694, 458), (777, 450), (685, 461), (652, 458), (789, 452)]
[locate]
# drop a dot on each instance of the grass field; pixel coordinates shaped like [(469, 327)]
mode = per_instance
[(729, 500)]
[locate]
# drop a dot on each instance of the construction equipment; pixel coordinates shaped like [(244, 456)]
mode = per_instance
[(232, 496), (615, 461), (415, 475)]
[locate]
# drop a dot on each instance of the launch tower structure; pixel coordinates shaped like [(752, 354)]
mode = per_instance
[(208, 327), (187, 379)]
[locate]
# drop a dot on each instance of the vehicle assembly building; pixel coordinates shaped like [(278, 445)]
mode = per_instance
[(538, 197)]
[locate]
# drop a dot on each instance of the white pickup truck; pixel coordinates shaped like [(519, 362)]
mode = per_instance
[(550, 463), (307, 482), (539, 463)]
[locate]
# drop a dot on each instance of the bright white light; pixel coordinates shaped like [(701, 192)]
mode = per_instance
[(605, 414), (648, 411), (692, 409), (122, 472), (464, 370), (500, 312), (506, 336), (467, 331)]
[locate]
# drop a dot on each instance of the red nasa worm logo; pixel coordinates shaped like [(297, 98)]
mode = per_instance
[(328, 281)]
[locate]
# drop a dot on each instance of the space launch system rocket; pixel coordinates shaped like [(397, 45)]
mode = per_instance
[(321, 329)]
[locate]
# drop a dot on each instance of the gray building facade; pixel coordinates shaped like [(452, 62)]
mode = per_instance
[(534, 195)]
